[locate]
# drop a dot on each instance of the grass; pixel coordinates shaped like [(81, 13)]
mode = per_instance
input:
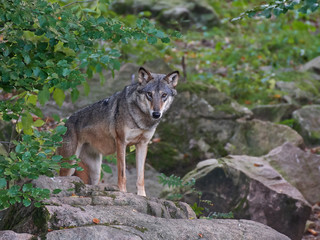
[(242, 58)]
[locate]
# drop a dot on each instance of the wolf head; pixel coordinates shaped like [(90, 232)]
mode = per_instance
[(156, 92)]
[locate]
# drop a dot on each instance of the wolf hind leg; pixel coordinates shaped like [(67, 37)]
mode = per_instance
[(69, 147), (91, 161)]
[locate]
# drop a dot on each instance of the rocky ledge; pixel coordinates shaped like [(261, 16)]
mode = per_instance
[(81, 211)]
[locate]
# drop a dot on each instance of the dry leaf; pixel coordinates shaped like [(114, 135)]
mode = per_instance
[(156, 140), (96, 220), (312, 231), (258, 165)]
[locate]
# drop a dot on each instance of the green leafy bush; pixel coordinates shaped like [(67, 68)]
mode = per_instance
[(34, 155), (48, 49)]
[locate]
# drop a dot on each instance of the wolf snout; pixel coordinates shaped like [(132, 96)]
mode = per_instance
[(156, 115)]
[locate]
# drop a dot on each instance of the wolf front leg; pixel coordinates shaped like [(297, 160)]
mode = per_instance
[(141, 154), (121, 164)]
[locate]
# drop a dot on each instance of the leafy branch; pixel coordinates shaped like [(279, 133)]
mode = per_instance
[(277, 7)]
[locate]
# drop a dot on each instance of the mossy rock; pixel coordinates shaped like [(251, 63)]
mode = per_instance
[(300, 88), (309, 123), (170, 13)]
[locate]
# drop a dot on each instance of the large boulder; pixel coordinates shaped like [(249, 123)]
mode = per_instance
[(257, 138), (251, 189), (182, 12), (100, 212), (299, 88), (308, 119), (298, 167), (274, 113)]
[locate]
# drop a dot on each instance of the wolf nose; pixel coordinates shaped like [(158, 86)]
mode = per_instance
[(156, 115)]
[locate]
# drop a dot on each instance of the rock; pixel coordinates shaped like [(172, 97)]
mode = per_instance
[(257, 138), (301, 91), (182, 12), (309, 123), (274, 113), (300, 168), (151, 181), (97, 213), (251, 189), (313, 65), (11, 235)]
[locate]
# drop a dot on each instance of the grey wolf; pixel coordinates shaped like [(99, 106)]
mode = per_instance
[(128, 117)]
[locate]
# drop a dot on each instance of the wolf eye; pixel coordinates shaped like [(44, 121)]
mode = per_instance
[(149, 94), (164, 95)]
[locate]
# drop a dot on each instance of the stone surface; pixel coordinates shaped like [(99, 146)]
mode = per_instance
[(313, 65), (256, 138), (251, 189), (301, 92), (11, 235), (308, 118), (300, 168), (185, 13), (151, 181), (274, 113), (96, 212)]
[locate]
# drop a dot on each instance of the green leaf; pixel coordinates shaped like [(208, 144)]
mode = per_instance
[(20, 148), (27, 187), (160, 34), (37, 204), (59, 96), (26, 58), (106, 168), (86, 88), (38, 123), (56, 157), (26, 156), (32, 99), (26, 202), (61, 129), (165, 40), (3, 183), (66, 72), (44, 95), (74, 95), (152, 40), (26, 121), (56, 191)]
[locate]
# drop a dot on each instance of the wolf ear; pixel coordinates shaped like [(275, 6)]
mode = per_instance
[(144, 76), (172, 78)]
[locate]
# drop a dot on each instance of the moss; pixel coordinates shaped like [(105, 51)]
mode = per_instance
[(141, 229), (113, 196), (149, 210), (78, 186), (41, 217), (192, 87), (226, 108)]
